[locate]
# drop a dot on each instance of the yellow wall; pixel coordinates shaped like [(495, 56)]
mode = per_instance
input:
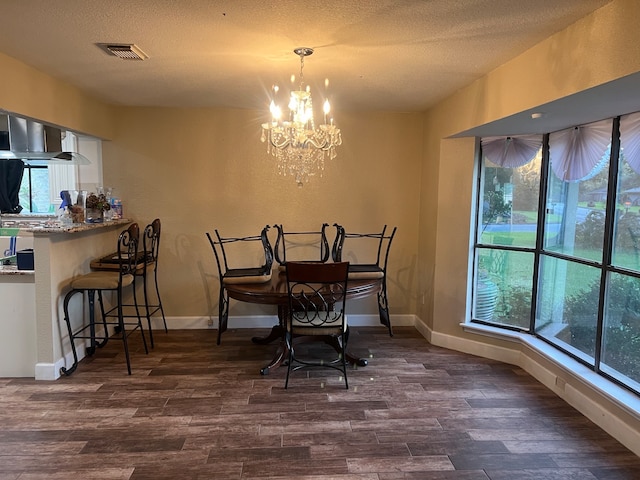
[(600, 48), (205, 169), (30, 93), (201, 169)]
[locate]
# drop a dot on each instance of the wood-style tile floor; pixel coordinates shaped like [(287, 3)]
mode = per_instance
[(194, 410)]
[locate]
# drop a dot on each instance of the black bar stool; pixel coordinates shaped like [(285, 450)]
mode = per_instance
[(151, 246), (114, 280)]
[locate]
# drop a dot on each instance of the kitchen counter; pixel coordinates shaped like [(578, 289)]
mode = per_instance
[(50, 227), (13, 270), (60, 254)]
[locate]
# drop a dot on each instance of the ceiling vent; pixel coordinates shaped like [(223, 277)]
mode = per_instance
[(125, 51)]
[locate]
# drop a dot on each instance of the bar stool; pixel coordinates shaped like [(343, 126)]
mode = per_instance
[(147, 262), (151, 246), (114, 280)]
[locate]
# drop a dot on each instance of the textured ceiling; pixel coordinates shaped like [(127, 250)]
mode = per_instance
[(378, 55)]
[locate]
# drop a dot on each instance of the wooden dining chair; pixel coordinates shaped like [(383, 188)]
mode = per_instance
[(239, 260), (368, 255), (317, 295), (301, 246)]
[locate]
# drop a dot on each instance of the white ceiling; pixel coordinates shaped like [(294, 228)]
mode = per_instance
[(402, 55)]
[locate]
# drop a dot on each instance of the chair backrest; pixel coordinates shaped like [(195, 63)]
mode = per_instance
[(151, 241), (234, 253), (317, 295), (301, 246), (373, 248), (128, 249)]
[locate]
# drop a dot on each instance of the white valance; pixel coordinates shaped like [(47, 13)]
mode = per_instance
[(630, 139), (511, 152), (575, 152)]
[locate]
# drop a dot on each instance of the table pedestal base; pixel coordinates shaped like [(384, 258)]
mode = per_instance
[(282, 352)]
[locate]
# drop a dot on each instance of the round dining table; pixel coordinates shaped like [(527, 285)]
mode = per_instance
[(274, 292)]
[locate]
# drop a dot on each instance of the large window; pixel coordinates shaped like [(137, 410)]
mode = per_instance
[(557, 251)]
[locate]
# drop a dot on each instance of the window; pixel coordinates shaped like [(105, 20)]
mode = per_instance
[(34, 190), (557, 251)]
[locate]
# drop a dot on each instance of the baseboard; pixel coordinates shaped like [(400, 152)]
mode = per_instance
[(49, 371), (268, 321), (612, 408)]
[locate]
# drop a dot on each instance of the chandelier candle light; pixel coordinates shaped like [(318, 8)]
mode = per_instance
[(298, 146)]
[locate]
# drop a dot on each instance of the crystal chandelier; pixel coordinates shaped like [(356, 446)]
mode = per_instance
[(297, 144)]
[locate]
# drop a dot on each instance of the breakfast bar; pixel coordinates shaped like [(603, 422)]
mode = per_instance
[(60, 253)]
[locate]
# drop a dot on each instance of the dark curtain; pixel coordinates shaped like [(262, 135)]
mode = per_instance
[(11, 171)]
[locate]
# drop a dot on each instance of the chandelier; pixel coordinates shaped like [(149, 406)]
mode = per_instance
[(297, 144)]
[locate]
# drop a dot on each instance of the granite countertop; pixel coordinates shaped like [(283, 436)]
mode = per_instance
[(57, 227), (13, 270)]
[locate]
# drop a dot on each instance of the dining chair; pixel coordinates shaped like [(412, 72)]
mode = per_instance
[(100, 281), (316, 308), (367, 259), (236, 258), (301, 246)]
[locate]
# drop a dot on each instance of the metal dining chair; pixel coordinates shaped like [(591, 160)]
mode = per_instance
[(236, 261), (301, 246), (364, 263), (317, 295)]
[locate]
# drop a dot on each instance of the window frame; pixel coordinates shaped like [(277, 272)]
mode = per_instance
[(605, 266)]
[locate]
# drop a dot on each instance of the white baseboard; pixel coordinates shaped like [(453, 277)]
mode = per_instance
[(613, 408), (268, 321)]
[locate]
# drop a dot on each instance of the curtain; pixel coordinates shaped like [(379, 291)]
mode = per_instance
[(11, 171), (575, 152), (630, 139), (511, 152)]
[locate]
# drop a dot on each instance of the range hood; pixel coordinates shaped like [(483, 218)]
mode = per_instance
[(34, 143)]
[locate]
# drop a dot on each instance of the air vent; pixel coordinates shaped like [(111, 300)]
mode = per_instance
[(125, 51)]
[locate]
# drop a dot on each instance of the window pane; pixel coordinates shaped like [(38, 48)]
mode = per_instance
[(38, 190), (503, 287), (626, 243), (575, 216), (509, 212), (568, 305), (621, 333)]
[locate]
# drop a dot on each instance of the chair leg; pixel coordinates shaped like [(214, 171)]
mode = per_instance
[(223, 312), (135, 302), (72, 368), (91, 295), (155, 281), (146, 306), (383, 307), (342, 339), (104, 321), (289, 343), (124, 332)]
